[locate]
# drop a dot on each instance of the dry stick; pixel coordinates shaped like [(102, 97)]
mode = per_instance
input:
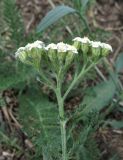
[(100, 73), (7, 117), (118, 49)]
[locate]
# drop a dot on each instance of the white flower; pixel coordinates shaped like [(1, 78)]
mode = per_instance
[(106, 46), (63, 47), (82, 40), (36, 44), (71, 48), (19, 51), (95, 44), (51, 46)]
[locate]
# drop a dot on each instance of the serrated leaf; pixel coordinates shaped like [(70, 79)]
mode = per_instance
[(119, 63), (53, 16), (12, 73), (44, 129)]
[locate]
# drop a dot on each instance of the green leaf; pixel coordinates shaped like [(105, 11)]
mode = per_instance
[(44, 131), (12, 74), (115, 124), (119, 63), (84, 3), (102, 95), (14, 21), (53, 16)]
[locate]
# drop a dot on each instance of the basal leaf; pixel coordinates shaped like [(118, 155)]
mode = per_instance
[(53, 16), (102, 95), (11, 74), (40, 121)]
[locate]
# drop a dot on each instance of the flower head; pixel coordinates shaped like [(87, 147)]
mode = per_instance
[(106, 46), (82, 40), (51, 46), (61, 47), (99, 48), (36, 44), (95, 44), (71, 49), (31, 54), (19, 51)]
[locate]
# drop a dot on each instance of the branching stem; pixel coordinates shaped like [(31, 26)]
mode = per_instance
[(77, 79)]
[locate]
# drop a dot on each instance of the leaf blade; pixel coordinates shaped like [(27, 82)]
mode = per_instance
[(103, 94), (53, 16)]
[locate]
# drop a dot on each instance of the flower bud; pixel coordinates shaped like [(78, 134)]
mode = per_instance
[(21, 54), (82, 43), (61, 49), (52, 49), (106, 48), (31, 53), (96, 49), (71, 51)]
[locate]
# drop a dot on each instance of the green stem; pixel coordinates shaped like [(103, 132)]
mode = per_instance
[(77, 79), (62, 119), (45, 79), (85, 22)]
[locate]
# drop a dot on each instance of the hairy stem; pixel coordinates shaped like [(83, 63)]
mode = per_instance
[(62, 119), (77, 79)]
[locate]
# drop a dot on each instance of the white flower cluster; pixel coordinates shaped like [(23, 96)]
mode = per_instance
[(19, 51), (94, 44), (29, 46), (62, 47), (82, 40), (36, 44)]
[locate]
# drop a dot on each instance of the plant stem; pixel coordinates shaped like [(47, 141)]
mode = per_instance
[(76, 79), (62, 120), (84, 22), (63, 135)]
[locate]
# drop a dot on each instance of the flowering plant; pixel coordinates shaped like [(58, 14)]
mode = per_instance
[(52, 63)]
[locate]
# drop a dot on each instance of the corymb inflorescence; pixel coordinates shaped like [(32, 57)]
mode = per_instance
[(61, 54)]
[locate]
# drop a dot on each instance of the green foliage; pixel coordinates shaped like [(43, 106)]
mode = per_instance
[(11, 72), (82, 135), (8, 141), (97, 98), (119, 63), (82, 5), (38, 115), (53, 16), (42, 116), (14, 21), (115, 124)]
